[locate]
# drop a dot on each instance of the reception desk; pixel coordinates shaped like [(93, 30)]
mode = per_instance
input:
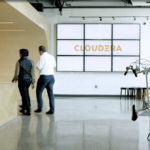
[(8, 102)]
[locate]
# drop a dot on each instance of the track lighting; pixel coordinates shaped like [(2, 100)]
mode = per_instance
[(102, 17)]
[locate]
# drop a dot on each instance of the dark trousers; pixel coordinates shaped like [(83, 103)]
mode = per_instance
[(23, 85), (45, 81)]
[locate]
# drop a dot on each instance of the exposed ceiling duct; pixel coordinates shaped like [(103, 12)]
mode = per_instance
[(67, 4)]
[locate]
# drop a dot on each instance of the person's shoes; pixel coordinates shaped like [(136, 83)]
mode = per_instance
[(27, 114), (38, 111), (22, 111), (49, 113), (21, 106)]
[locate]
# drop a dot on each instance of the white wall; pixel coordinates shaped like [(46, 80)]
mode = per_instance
[(108, 83)]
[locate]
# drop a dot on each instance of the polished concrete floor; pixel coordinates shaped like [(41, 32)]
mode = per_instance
[(78, 124)]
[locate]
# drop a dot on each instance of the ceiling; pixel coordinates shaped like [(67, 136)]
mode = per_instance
[(62, 4), (49, 3), (140, 2), (18, 19)]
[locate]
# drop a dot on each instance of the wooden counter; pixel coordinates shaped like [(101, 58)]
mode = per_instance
[(8, 102)]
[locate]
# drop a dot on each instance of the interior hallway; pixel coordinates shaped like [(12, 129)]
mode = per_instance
[(78, 124)]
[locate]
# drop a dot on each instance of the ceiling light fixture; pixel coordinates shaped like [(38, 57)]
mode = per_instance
[(113, 18), (13, 30), (134, 18), (7, 22), (100, 18), (83, 18)]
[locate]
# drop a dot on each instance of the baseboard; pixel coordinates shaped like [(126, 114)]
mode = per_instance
[(70, 95)]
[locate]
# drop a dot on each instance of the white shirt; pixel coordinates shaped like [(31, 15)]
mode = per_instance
[(46, 64)]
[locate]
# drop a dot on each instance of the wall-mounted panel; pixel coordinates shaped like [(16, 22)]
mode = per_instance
[(96, 44), (98, 31), (126, 31), (126, 47), (120, 63), (98, 47), (69, 63), (69, 31), (97, 63), (70, 47)]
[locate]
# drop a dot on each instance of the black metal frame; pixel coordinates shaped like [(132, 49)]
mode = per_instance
[(101, 7), (112, 56)]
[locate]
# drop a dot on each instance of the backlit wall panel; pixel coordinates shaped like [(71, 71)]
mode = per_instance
[(120, 63), (97, 63), (69, 63), (97, 47), (69, 31), (126, 31), (97, 31), (126, 47), (70, 47)]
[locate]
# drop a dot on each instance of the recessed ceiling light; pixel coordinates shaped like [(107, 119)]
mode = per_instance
[(13, 30), (7, 22)]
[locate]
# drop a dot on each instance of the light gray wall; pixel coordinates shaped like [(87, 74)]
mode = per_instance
[(108, 83)]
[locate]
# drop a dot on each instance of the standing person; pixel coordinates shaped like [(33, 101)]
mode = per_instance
[(25, 75), (45, 65), (27, 54)]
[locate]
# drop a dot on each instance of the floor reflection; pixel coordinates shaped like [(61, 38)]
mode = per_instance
[(100, 125), (97, 135)]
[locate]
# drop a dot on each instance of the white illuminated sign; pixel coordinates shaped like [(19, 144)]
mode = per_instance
[(97, 47), (126, 47), (70, 47)]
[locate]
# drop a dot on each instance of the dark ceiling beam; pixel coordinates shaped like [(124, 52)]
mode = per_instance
[(90, 0), (127, 1), (106, 7)]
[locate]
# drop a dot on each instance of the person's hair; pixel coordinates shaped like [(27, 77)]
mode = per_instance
[(42, 48), (24, 52)]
